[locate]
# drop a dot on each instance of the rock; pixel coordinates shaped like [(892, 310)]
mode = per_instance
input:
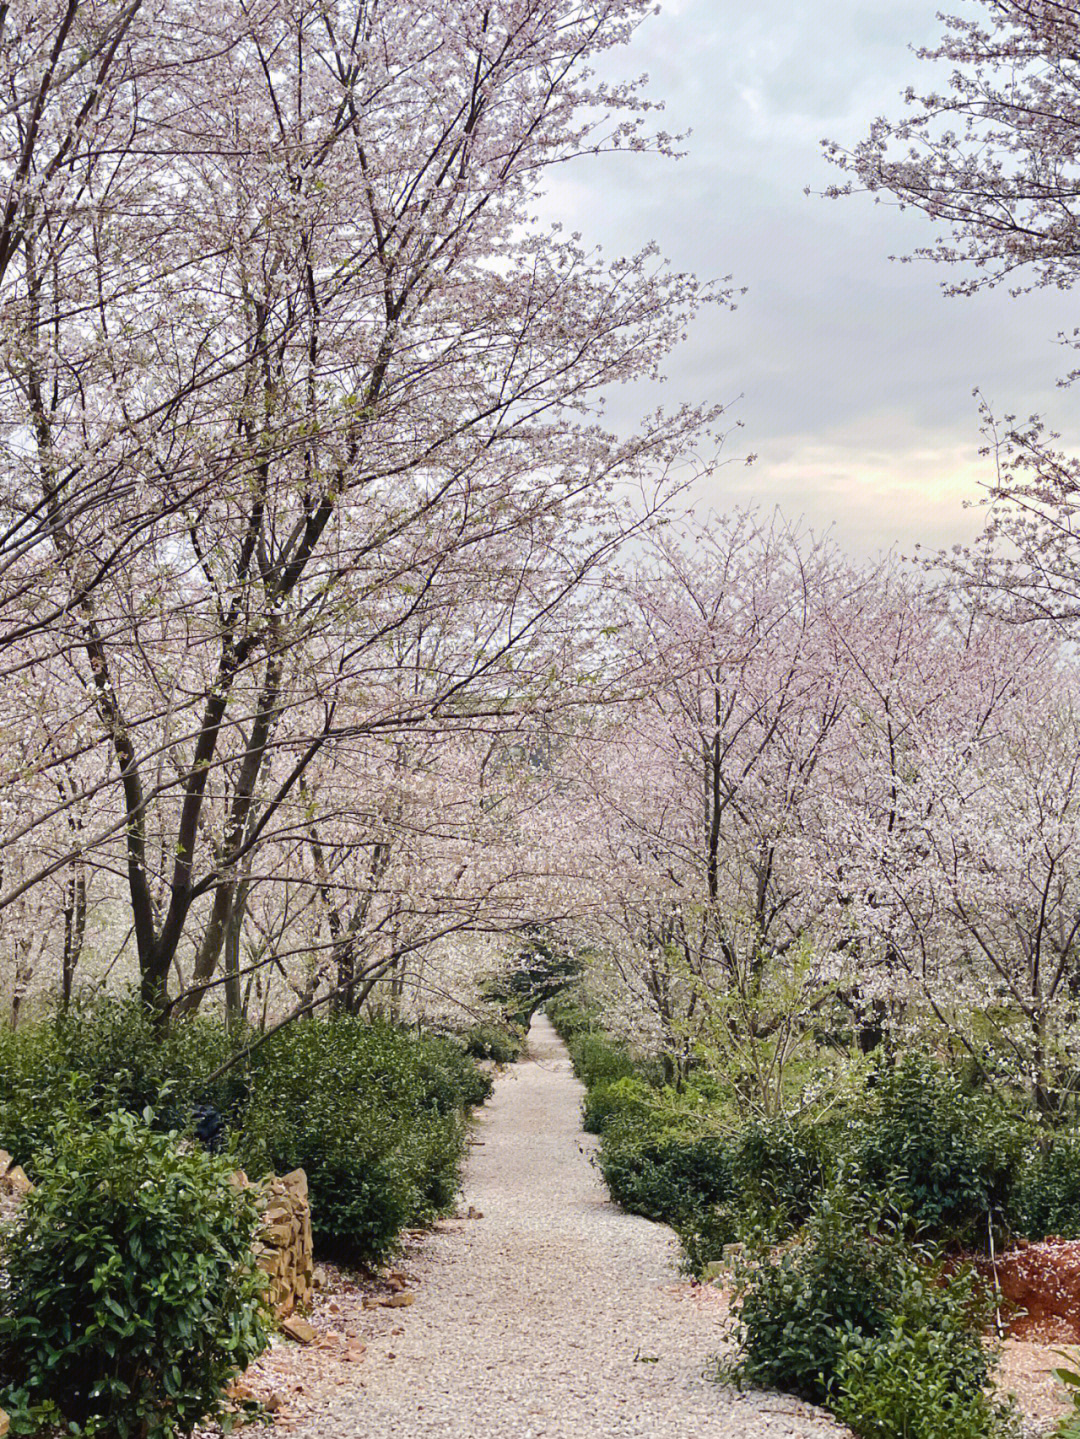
[(400, 1301), (299, 1329), (15, 1181), (473, 1213), (319, 1277), (273, 1402), (6, 1161), (296, 1182), (240, 1179), (283, 1245), (277, 1235), (5, 1422)]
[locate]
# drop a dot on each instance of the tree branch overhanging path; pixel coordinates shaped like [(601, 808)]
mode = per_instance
[(305, 480)]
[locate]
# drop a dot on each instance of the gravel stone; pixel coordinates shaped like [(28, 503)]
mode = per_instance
[(554, 1315)]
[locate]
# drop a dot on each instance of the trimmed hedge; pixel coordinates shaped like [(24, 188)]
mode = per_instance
[(132, 1295), (375, 1114)]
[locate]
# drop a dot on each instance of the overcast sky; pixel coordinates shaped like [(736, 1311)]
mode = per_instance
[(852, 374)]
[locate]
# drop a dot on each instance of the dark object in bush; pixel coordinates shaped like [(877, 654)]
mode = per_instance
[(208, 1127), (109, 1054), (133, 1297)]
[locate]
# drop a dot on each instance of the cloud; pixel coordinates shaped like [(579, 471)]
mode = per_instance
[(855, 374)]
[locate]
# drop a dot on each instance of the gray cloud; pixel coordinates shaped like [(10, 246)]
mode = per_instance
[(855, 373)]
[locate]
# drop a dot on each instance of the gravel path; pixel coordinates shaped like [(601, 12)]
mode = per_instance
[(554, 1315)]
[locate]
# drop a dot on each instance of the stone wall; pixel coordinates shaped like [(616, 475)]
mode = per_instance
[(283, 1244), (13, 1185)]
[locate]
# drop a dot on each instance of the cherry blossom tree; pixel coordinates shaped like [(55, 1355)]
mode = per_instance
[(992, 158), (706, 789), (291, 375), (993, 155), (948, 827)]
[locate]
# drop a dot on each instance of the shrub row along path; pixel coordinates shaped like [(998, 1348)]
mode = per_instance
[(554, 1315)]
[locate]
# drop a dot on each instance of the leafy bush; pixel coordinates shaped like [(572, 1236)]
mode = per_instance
[(793, 1310), (1068, 1426), (449, 1080), (673, 1178), (704, 1233), (848, 1316), (376, 1118), (1046, 1196), (109, 1055), (132, 1295), (373, 1113), (570, 1015), (778, 1170), (948, 1155), (628, 1105), (598, 1059), (926, 1375), (502, 1043)]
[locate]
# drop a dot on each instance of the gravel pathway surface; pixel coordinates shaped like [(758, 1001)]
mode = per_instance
[(553, 1315)]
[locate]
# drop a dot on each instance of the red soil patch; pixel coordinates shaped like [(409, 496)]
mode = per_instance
[(1043, 1281)]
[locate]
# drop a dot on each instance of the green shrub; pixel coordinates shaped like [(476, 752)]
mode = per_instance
[(926, 1376), (375, 1114), (598, 1059), (132, 1295), (1068, 1375), (794, 1310), (570, 1015), (704, 1232), (778, 1171), (449, 1080), (628, 1105), (947, 1155), (672, 1178), (108, 1053), (851, 1317), (1045, 1198), (501, 1043), (376, 1118)]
